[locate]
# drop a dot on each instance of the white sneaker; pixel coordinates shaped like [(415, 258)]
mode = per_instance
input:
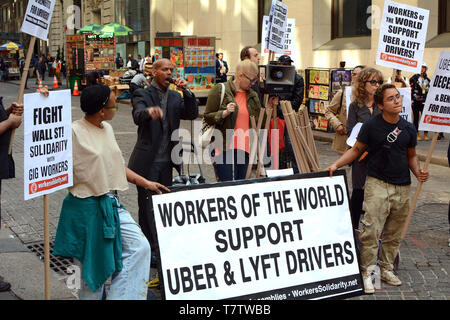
[(368, 285), (390, 278)]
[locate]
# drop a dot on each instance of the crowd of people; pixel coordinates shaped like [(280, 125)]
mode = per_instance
[(380, 180)]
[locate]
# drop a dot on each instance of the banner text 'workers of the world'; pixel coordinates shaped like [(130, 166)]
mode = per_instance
[(284, 239)]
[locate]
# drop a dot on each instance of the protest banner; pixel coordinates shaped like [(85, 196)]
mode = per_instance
[(276, 26), (289, 41), (47, 154), (47, 143), (280, 238), (435, 116), (403, 34), (37, 18)]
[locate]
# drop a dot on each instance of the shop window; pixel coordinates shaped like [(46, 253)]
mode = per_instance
[(350, 18), (444, 16)]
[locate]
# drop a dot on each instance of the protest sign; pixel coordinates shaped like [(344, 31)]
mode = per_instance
[(436, 112), (406, 101), (37, 18), (275, 39), (280, 238), (47, 143), (289, 41), (403, 35)]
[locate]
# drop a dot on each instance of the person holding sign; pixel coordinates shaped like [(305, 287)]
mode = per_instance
[(239, 103), (420, 85), (10, 119), (94, 227), (391, 142), (361, 109)]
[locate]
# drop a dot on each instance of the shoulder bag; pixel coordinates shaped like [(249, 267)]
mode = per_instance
[(207, 130)]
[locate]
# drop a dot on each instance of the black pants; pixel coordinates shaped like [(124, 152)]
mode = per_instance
[(162, 173), (356, 203), (417, 108)]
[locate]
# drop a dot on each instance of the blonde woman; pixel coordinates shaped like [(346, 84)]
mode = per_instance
[(239, 103), (362, 109)]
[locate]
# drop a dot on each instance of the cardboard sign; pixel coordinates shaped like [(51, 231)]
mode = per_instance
[(275, 39), (47, 143), (37, 18), (278, 238), (289, 41), (436, 112), (403, 35)]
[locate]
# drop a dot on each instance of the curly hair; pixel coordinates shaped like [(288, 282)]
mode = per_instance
[(359, 94)]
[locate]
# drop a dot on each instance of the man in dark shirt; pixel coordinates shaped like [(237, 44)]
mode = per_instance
[(9, 119), (157, 112), (391, 142)]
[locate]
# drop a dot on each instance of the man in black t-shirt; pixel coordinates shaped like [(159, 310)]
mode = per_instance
[(391, 142)]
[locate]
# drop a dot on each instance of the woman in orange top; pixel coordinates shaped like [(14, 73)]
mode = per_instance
[(232, 119)]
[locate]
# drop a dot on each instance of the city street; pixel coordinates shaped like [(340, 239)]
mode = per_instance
[(425, 255)]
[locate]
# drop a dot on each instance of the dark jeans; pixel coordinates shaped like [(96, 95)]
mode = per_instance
[(162, 173), (230, 160), (417, 108)]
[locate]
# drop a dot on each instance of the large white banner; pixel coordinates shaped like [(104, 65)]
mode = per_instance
[(273, 239), (47, 143), (37, 18), (403, 34), (436, 112)]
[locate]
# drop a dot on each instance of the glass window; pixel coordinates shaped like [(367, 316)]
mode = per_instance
[(350, 18), (134, 14)]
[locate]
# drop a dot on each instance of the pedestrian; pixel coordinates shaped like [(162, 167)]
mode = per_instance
[(58, 71), (93, 78), (2, 68), (119, 61), (221, 68), (420, 85), (42, 67), (157, 112), (391, 142), (239, 103), (360, 110), (10, 119), (94, 227), (296, 98), (336, 114), (139, 81)]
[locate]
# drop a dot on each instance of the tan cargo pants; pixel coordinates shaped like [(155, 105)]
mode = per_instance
[(386, 206)]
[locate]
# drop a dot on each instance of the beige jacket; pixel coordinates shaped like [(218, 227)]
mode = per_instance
[(336, 114)]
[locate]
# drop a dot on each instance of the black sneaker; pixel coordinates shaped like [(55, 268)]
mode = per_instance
[(4, 286)]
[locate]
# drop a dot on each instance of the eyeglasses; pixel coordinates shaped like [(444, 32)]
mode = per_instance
[(392, 98), (115, 107), (375, 82), (251, 81)]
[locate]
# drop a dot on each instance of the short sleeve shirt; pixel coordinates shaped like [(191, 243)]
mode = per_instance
[(388, 161)]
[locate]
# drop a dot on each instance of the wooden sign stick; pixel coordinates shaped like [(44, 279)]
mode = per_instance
[(22, 85), (419, 185)]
